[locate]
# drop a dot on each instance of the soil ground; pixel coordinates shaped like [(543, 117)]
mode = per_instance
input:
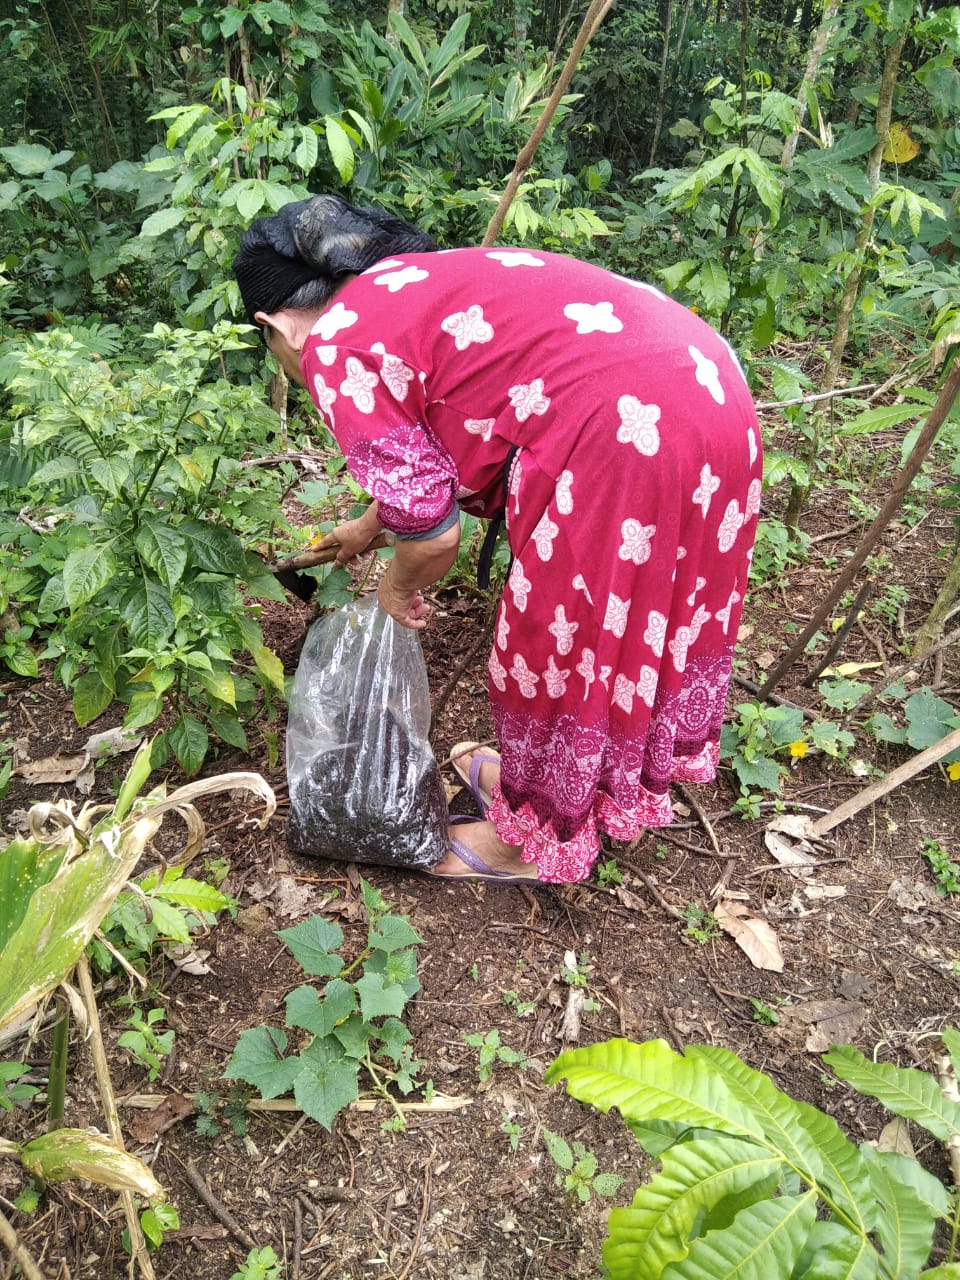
[(472, 1193)]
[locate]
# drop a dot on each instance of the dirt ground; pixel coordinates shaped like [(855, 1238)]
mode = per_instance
[(471, 1193)]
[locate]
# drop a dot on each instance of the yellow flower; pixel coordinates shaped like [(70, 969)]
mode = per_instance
[(799, 749), (953, 771)]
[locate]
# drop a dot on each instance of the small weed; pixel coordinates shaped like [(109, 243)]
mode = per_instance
[(662, 851), (578, 1169), (232, 1106), (520, 1007), (513, 1131), (945, 872), (28, 1198), (609, 875), (699, 924), (474, 972), (147, 1045), (12, 1093), (575, 972), (260, 1264), (492, 1052), (763, 1014), (156, 1221)]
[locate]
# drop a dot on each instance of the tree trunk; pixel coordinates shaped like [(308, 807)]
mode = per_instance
[(814, 58), (932, 628), (661, 81)]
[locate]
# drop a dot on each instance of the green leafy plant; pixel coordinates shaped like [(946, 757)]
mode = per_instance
[(699, 924), (353, 1025), (492, 1051), (12, 1092), (752, 1182), (578, 1169), (211, 1103), (260, 1264), (148, 1045), (945, 872), (609, 874), (155, 1222), (512, 1129)]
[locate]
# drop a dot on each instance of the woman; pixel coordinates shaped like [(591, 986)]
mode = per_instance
[(616, 428)]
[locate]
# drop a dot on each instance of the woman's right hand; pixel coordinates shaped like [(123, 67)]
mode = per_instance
[(353, 537)]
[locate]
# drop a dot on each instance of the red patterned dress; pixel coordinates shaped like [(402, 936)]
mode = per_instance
[(631, 512)]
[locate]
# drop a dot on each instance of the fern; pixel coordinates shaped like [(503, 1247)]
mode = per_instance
[(756, 1185)]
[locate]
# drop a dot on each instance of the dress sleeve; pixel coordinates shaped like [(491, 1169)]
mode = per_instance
[(376, 407)]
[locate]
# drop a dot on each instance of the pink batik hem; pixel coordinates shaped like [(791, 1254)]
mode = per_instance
[(568, 861)]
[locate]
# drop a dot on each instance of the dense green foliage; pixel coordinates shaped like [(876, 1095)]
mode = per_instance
[(794, 210)]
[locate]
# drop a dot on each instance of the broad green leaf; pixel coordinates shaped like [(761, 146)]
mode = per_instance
[(75, 1153), (950, 1038), (148, 613), (221, 686), (305, 1008), (145, 706), (714, 285), (258, 1059), (189, 741), (559, 1148), (214, 548), (250, 198), (650, 1081), (265, 660), (25, 865), (64, 914), (327, 1081), (86, 572), (32, 159), (655, 1230), (882, 419), (768, 182), (229, 730), (164, 550), (111, 474), (307, 150), (833, 1252), (843, 1173), (905, 1091), (379, 996), (950, 1271), (905, 1224), (929, 718), (196, 895), (91, 696), (394, 1036), (312, 944), (169, 922), (763, 1241), (340, 147), (393, 932), (778, 1114), (162, 220)]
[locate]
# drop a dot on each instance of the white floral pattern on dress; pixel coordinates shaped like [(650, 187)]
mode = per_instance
[(358, 385), (656, 633), (593, 317), (691, 598), (528, 398), (709, 484), (564, 494), (498, 672), (752, 445), (555, 680), (482, 427), (638, 425), (526, 679), (562, 630), (503, 630), (515, 258), (396, 375), (585, 668), (730, 525), (543, 536), (397, 280), (334, 321), (723, 615), (467, 326), (385, 265), (753, 498), (327, 355), (323, 395), (678, 647), (635, 546), (647, 685), (519, 585), (698, 622), (579, 584), (623, 691), (708, 375), (615, 618)]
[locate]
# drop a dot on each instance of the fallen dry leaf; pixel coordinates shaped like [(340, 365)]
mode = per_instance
[(147, 1127), (189, 959), (752, 935), (830, 1021), (910, 894), (818, 891), (627, 898), (51, 769), (895, 1136)]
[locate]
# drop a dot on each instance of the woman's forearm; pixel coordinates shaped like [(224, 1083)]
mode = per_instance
[(421, 563)]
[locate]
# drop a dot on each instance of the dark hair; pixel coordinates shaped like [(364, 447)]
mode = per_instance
[(297, 258)]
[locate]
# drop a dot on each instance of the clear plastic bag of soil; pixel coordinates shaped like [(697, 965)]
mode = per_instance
[(364, 783)]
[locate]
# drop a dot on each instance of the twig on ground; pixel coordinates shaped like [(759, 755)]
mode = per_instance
[(138, 1246), (415, 1249), (664, 834), (775, 698), (820, 395), (653, 891), (836, 644), (297, 1240), (694, 804), (870, 698), (19, 1253), (219, 1211)]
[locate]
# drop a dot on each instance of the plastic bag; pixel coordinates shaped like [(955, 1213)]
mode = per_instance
[(364, 783)]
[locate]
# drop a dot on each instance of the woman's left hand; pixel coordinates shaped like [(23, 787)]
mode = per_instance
[(406, 607)]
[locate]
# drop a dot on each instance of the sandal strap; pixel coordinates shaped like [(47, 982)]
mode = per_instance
[(473, 860)]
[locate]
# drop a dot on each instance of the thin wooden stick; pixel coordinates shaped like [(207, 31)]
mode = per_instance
[(820, 395), (878, 789), (222, 1214), (594, 16), (138, 1247), (935, 420), (20, 1254)]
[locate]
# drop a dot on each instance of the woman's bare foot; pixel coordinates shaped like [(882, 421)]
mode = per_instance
[(489, 770), (481, 838)]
